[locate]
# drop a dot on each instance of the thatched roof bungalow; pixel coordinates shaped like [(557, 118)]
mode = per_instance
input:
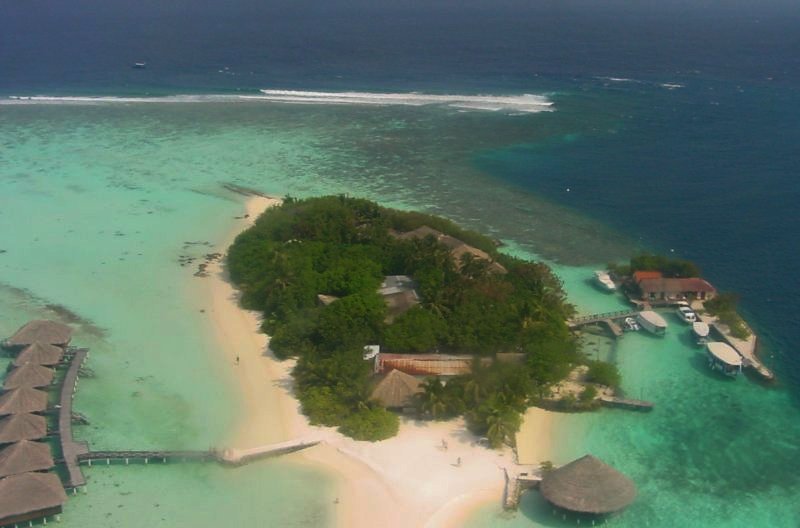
[(40, 331), (458, 248), (23, 457), (40, 354), (29, 497), (397, 390), (22, 427), (28, 375), (22, 400), (588, 485)]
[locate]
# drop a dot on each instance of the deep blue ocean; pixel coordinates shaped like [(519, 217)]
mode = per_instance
[(681, 118)]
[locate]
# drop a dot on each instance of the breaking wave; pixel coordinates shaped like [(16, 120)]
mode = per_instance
[(525, 103)]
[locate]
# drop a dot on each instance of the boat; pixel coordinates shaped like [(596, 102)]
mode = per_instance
[(686, 313), (724, 358), (603, 279), (631, 325), (701, 331), (140, 65), (652, 322)]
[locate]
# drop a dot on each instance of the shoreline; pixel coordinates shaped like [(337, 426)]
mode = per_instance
[(407, 480)]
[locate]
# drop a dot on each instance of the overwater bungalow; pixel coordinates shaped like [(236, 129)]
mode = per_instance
[(23, 457), (397, 390), (22, 400), (40, 354), (31, 496), (588, 485), (724, 358), (28, 375), (39, 331), (22, 427)]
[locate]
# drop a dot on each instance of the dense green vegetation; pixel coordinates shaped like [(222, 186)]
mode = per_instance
[(724, 307), (670, 267), (343, 247)]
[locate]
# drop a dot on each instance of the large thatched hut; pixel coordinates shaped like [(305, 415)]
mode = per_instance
[(397, 390), (39, 354), (28, 375), (22, 427), (22, 400), (25, 456), (588, 485), (40, 331), (29, 497)]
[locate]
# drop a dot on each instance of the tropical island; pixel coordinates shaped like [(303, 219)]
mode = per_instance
[(352, 289)]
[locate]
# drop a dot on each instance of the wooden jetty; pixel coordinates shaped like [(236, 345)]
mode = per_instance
[(625, 403), (608, 318), (70, 449)]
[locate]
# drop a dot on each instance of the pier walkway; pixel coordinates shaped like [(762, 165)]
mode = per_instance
[(609, 319), (70, 449)]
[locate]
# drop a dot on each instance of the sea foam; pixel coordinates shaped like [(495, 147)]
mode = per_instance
[(525, 103)]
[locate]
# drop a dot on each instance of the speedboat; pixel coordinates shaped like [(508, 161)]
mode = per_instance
[(140, 65), (686, 314), (652, 322), (603, 279), (631, 325), (701, 331)]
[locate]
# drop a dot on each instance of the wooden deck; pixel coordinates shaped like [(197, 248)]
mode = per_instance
[(70, 449)]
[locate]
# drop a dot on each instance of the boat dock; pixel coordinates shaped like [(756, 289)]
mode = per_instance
[(70, 449), (747, 348), (609, 319), (625, 403)]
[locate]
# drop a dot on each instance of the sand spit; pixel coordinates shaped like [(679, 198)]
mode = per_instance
[(406, 481)]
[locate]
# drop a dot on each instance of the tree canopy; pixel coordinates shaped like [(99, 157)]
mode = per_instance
[(342, 248)]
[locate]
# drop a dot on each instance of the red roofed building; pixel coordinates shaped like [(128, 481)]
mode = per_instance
[(658, 289), (642, 275)]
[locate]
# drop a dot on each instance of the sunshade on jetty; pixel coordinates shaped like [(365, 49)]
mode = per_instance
[(588, 485), (23, 457), (40, 331), (22, 427), (28, 375), (40, 354)]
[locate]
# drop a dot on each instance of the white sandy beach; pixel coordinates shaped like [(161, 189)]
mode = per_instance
[(409, 480)]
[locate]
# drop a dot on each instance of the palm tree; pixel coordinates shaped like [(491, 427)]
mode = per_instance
[(432, 399)]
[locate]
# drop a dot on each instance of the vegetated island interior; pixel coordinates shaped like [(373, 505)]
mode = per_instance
[(356, 291)]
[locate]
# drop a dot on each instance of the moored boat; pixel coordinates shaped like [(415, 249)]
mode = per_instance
[(701, 331), (724, 358), (686, 313), (603, 279), (631, 325), (652, 322)]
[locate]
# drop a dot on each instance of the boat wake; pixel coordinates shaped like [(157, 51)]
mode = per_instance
[(513, 104)]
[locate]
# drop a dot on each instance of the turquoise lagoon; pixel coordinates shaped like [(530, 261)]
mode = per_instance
[(100, 202)]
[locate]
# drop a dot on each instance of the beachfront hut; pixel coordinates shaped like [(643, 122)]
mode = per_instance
[(22, 427), (397, 390), (40, 331), (28, 375), (40, 354), (22, 400), (588, 485), (23, 457), (30, 496)]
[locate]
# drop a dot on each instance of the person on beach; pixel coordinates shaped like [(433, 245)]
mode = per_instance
[(444, 444), (237, 359)]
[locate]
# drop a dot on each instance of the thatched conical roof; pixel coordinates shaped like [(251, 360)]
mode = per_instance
[(42, 331), (39, 354), (29, 493), (25, 456), (28, 375), (397, 389), (22, 400), (588, 485), (22, 427)]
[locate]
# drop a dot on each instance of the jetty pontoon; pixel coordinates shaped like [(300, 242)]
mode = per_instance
[(724, 358), (603, 279), (652, 322), (701, 331)]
